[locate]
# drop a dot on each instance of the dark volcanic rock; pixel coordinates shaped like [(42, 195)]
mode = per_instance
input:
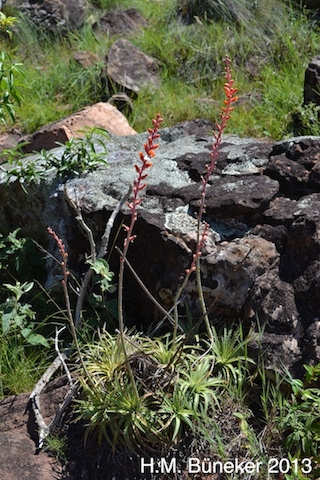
[(281, 211), (276, 234), (312, 80), (295, 164), (130, 68), (233, 196), (53, 15), (121, 22), (312, 343), (292, 176), (303, 246), (237, 157), (261, 260), (277, 350), (231, 268), (274, 304)]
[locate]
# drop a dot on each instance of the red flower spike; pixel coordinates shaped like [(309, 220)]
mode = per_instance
[(63, 253), (139, 184), (230, 93)]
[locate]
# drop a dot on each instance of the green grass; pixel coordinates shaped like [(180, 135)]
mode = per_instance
[(269, 53), (20, 368)]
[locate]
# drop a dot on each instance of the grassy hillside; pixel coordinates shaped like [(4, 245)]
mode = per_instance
[(270, 43)]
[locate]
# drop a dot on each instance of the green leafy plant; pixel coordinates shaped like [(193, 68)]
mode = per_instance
[(25, 171), (198, 385), (80, 155), (105, 276), (17, 317), (10, 88), (56, 444), (7, 23), (11, 246), (301, 417), (19, 259), (306, 119), (229, 350), (10, 74), (20, 367)]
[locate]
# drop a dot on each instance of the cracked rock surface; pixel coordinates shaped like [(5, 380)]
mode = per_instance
[(262, 256)]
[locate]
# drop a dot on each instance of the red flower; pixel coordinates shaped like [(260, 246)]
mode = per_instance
[(139, 184)]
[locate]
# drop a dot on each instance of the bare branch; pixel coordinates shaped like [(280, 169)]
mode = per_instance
[(56, 342), (64, 405), (34, 398), (102, 252)]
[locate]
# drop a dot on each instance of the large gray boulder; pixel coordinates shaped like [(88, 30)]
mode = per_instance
[(261, 260)]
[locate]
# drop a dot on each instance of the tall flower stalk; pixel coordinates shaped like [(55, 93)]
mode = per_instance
[(64, 281), (139, 184), (203, 227), (231, 97), (193, 267), (230, 93)]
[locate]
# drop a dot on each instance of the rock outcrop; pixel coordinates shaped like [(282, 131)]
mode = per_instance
[(18, 434), (121, 22), (312, 82), (262, 256), (53, 15), (129, 68)]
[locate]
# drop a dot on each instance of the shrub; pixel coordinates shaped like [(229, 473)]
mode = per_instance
[(10, 75), (10, 72)]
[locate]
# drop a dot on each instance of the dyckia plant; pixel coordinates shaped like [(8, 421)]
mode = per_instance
[(138, 185)]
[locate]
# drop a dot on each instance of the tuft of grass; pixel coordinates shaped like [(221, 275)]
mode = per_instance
[(20, 368), (214, 9), (56, 445)]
